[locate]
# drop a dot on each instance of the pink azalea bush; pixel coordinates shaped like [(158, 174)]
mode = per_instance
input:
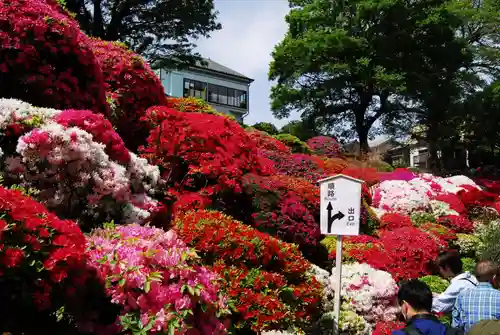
[(79, 164), (372, 293), (156, 280)]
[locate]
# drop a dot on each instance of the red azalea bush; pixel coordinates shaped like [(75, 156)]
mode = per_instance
[(453, 201), (46, 60), (266, 280), (284, 208), (369, 175), (325, 146), (101, 130), (391, 221), (472, 197), (200, 152), (298, 165), (265, 142), (334, 166), (444, 234), (41, 259), (131, 87), (406, 253), (458, 224), (386, 328)]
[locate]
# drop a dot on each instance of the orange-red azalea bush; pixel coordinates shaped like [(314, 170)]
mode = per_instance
[(266, 280)]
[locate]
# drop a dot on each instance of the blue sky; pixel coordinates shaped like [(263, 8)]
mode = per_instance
[(251, 29)]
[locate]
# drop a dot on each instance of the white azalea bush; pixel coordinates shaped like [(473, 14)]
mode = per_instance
[(418, 193), (371, 293), (440, 208), (77, 162)]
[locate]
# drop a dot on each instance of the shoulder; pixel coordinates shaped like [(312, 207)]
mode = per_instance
[(398, 332)]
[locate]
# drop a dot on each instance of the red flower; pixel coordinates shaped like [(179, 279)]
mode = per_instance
[(12, 257), (391, 221)]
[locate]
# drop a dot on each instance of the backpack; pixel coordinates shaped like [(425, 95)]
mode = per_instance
[(412, 330)]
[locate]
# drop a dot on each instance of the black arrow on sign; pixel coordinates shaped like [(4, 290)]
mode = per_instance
[(332, 218)]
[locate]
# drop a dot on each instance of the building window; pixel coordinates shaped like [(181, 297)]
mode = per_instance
[(194, 88), (227, 96)]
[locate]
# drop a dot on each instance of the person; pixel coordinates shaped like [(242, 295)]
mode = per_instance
[(450, 267), (415, 300), (480, 303), (486, 327)]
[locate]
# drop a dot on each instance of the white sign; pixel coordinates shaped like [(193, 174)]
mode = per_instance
[(340, 205)]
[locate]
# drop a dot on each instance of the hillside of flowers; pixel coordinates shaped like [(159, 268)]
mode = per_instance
[(124, 211)]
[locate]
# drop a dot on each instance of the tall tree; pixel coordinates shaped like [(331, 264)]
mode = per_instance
[(160, 30), (347, 62)]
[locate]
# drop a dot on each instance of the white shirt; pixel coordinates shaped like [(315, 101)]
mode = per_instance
[(444, 302)]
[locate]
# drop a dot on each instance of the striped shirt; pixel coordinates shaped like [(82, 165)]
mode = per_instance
[(474, 305)]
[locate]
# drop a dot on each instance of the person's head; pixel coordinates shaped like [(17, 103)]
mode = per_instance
[(487, 272), (449, 264), (414, 297)]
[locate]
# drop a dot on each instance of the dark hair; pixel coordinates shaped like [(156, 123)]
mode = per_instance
[(417, 294), (486, 270), (450, 259)]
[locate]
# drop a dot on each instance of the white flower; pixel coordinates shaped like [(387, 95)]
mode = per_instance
[(371, 293), (440, 208)]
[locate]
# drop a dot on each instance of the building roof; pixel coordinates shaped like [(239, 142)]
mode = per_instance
[(213, 66)]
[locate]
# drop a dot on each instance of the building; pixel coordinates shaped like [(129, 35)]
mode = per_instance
[(224, 89)]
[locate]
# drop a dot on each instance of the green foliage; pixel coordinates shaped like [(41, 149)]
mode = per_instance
[(304, 130), (489, 247), (469, 264), (381, 166), (293, 142), (363, 55), (159, 30), (419, 218), (266, 127), (436, 283)]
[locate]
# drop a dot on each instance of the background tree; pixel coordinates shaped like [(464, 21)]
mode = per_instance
[(300, 129), (346, 64), (160, 30), (267, 127)]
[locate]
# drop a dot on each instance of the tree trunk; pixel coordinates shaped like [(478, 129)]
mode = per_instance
[(432, 139), (364, 148)]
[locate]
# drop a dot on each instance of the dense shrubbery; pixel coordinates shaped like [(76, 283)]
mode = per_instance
[(249, 273), (131, 87), (46, 60), (266, 127)]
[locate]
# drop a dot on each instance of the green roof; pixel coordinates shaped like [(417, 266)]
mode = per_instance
[(216, 67)]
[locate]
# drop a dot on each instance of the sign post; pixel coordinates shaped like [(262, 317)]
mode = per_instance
[(340, 207)]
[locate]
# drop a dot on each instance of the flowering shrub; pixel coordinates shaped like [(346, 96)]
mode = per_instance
[(443, 234), (459, 224), (404, 252), (469, 264), (453, 202), (266, 280), (467, 244), (386, 328), (131, 87), (333, 166), (299, 165), (372, 293), (194, 105), (369, 175), (266, 142), (287, 208), (294, 143), (350, 323), (419, 218), (46, 60), (76, 178), (200, 151), (155, 279), (325, 146), (41, 259), (398, 174), (101, 130), (472, 197), (391, 221)]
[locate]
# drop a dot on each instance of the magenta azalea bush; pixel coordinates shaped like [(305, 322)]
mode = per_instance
[(325, 146), (157, 281)]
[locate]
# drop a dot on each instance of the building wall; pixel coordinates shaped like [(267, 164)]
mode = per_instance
[(173, 82)]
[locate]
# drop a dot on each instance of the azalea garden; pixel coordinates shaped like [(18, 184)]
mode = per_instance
[(124, 211)]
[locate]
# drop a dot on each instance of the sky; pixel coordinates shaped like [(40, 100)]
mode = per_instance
[(250, 30)]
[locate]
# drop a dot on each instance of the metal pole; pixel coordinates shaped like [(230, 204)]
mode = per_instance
[(338, 275)]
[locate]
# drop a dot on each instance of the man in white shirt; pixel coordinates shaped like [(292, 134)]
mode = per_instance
[(450, 267)]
